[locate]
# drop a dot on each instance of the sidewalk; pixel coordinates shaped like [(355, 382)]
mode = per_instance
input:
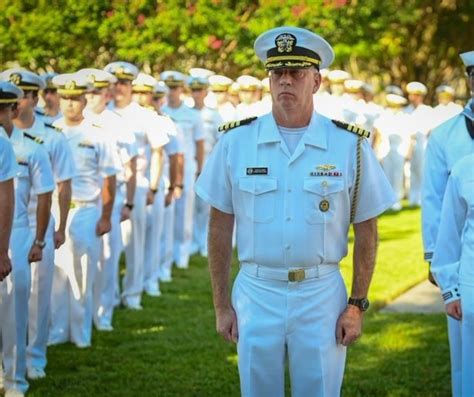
[(423, 298)]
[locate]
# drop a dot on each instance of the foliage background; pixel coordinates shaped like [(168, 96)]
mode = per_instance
[(377, 40)]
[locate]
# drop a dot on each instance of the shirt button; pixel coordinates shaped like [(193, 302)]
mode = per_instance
[(287, 247), (324, 183), (289, 190), (288, 218)]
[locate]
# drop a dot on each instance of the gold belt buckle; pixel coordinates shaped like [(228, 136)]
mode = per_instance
[(72, 205), (296, 275)]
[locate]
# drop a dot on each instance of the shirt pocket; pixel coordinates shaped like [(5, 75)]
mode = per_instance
[(320, 199), (258, 197)]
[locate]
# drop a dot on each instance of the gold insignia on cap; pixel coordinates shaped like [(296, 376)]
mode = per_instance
[(120, 70), (285, 42), (70, 85), (15, 78), (91, 78)]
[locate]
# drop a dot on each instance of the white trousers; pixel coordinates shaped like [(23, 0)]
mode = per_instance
[(108, 268), (38, 318), (293, 320), (76, 266), (416, 177), (133, 234), (461, 346), (167, 243), (183, 226), (201, 220), (154, 228), (14, 292), (393, 165)]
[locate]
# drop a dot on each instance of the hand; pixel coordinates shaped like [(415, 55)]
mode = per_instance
[(5, 266), (349, 325), (178, 191), (103, 226), (453, 309), (59, 238), (150, 197), (125, 213), (226, 324), (35, 254), (169, 197)]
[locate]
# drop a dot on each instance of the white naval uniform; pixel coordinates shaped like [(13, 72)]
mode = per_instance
[(453, 261), (154, 221), (227, 111), (212, 120), (149, 135), (190, 131), (77, 259), (34, 176), (420, 122), (173, 147), (45, 118), (447, 144), (42, 272), (121, 136), (394, 131), (8, 170), (276, 198)]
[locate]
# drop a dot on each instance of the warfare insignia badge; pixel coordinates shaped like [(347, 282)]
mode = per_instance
[(15, 78)]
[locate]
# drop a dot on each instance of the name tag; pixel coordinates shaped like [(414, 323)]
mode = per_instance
[(325, 173), (86, 145), (257, 171)]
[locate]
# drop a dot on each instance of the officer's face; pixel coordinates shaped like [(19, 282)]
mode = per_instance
[(415, 99), (174, 94), (97, 98), (143, 98), (27, 103), (7, 113), (221, 97), (293, 89), (123, 92), (50, 98), (72, 107), (246, 96), (198, 95)]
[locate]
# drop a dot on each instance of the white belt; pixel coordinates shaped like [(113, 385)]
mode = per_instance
[(83, 204), (291, 274)]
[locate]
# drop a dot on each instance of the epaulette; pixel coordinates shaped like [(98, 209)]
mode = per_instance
[(39, 112), (352, 128), (116, 113), (234, 124), (58, 129), (34, 138), (97, 126)]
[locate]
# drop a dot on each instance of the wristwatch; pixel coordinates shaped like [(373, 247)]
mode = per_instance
[(361, 303), (154, 191), (129, 206), (40, 243)]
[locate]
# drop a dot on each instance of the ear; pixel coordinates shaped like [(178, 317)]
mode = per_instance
[(317, 82)]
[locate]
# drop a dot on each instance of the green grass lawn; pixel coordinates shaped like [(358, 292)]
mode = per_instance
[(171, 348)]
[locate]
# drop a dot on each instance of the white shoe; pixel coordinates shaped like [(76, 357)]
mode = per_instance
[(182, 266), (35, 373), (153, 290), (2, 390), (104, 327), (14, 393), (132, 306), (83, 345)]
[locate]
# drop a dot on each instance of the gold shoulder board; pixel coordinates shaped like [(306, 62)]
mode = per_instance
[(234, 124), (352, 128), (53, 127)]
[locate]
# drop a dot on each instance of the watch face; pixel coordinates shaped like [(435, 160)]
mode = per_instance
[(364, 304)]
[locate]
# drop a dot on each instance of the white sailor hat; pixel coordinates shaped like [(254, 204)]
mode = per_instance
[(468, 59), (265, 84), (416, 87), (445, 90), (26, 80), (98, 78), (198, 83), (369, 88), (248, 83), (324, 73), (160, 89), (122, 70), (290, 47), (9, 92), (48, 80), (71, 84), (219, 83), (338, 76), (173, 78), (353, 85), (393, 89), (144, 83), (395, 100), (201, 72)]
